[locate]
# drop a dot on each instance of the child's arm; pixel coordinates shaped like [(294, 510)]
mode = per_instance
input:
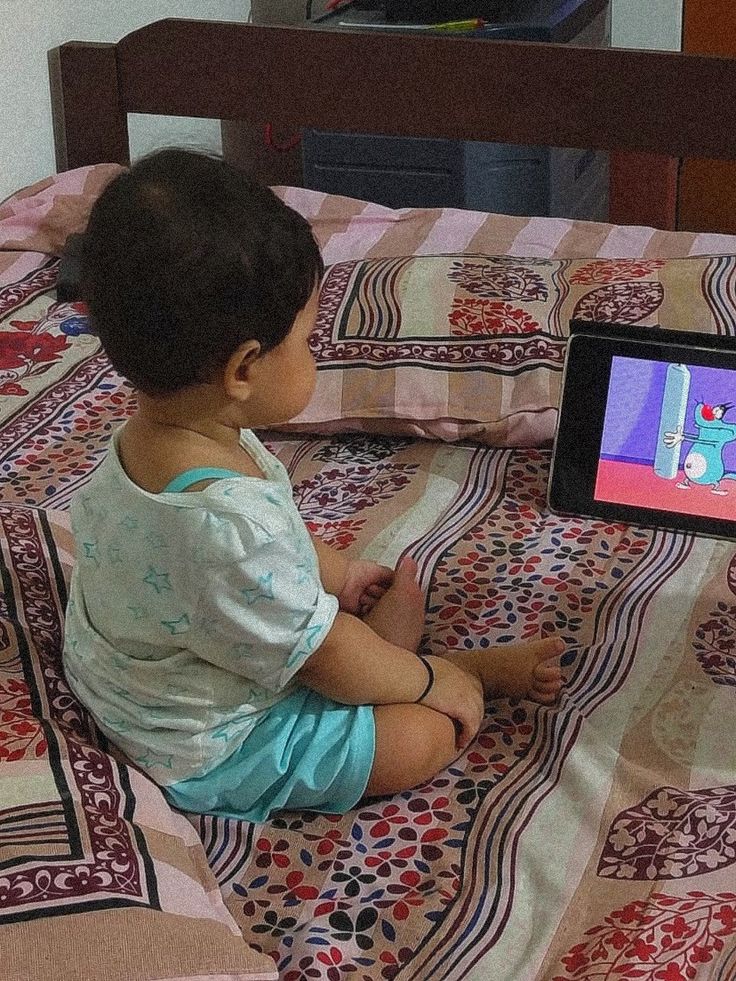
[(333, 567), (355, 666)]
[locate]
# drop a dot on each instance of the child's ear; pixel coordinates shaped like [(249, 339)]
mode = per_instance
[(237, 373)]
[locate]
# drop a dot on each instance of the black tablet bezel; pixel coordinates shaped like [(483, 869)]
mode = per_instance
[(585, 381)]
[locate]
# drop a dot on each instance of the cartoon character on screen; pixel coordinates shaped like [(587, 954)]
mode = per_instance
[(704, 461)]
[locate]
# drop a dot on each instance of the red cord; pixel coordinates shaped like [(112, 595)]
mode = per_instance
[(280, 147)]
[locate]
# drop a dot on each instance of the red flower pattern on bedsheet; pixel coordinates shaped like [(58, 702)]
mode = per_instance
[(24, 354), (21, 735), (376, 870), (337, 534), (31, 347), (516, 576), (615, 270), (672, 834), (52, 446), (664, 938), (478, 316)]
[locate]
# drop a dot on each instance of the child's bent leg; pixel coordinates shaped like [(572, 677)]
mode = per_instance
[(398, 615), (413, 744)]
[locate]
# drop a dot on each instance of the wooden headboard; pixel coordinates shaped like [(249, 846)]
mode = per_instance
[(633, 103)]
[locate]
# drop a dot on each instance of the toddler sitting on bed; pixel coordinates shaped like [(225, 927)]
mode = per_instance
[(243, 664)]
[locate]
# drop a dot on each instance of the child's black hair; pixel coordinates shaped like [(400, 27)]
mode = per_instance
[(185, 258)]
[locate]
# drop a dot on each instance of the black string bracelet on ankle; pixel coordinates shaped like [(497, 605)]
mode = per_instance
[(430, 679)]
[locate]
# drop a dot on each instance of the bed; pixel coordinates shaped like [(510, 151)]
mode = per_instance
[(592, 840)]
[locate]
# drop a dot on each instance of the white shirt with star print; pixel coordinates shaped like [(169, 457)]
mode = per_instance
[(190, 613)]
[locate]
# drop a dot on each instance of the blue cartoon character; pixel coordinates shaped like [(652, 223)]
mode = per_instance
[(704, 461)]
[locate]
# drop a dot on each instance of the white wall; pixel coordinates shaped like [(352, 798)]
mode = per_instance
[(28, 28), (654, 24)]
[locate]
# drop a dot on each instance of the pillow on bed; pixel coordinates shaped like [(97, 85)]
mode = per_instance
[(463, 346), (100, 878), (472, 346), (39, 217)]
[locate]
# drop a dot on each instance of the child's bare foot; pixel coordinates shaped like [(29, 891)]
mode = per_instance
[(398, 615), (517, 670)]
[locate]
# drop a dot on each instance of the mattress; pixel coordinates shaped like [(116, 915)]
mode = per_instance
[(592, 839)]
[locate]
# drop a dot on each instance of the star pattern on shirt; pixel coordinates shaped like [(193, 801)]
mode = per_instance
[(115, 554), (311, 634), (264, 589), (198, 556), (115, 725), (226, 731), (90, 551), (179, 626), (257, 694), (126, 696), (304, 649), (150, 760), (123, 540), (158, 580)]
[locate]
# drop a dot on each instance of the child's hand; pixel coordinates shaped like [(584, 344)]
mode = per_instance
[(366, 583), (459, 695)]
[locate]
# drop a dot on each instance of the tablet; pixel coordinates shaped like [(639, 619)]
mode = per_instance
[(646, 431)]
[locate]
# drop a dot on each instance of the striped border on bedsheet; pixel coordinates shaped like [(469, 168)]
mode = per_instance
[(475, 922), (100, 861)]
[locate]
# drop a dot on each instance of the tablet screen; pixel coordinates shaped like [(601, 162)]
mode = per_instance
[(669, 438)]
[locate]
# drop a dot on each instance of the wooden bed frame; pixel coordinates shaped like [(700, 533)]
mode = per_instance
[(650, 109)]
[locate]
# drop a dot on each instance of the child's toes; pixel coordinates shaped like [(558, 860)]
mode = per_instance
[(547, 648), (407, 566), (544, 697), (548, 672), (545, 690)]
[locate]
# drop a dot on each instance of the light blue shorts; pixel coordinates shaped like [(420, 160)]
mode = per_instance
[(307, 753)]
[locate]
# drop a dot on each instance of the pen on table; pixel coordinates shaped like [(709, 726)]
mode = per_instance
[(453, 26), (474, 24)]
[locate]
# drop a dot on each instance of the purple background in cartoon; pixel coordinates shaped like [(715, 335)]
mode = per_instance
[(635, 400)]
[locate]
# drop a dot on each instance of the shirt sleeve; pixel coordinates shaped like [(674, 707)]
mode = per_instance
[(263, 615)]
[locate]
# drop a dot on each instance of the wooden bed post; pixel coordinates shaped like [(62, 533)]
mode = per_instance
[(644, 190), (89, 124)]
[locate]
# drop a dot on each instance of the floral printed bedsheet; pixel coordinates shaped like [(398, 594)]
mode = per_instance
[(595, 839)]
